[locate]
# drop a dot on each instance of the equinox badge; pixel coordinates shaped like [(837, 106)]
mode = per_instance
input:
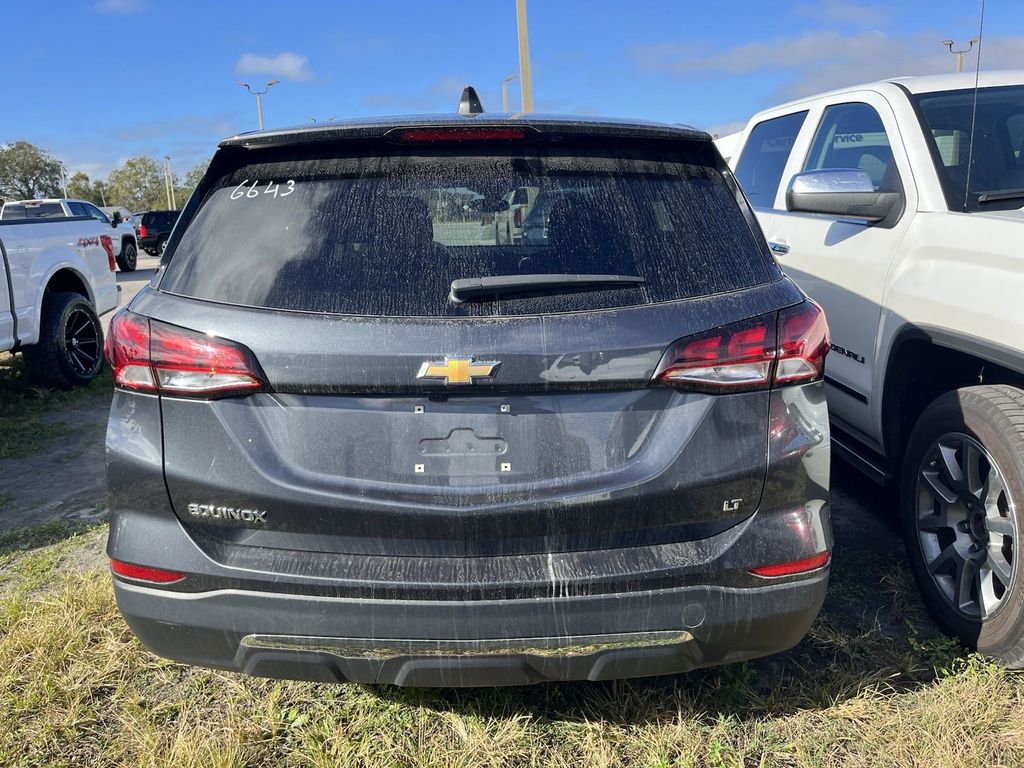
[(459, 370), (228, 514)]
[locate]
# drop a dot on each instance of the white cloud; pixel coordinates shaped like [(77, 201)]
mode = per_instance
[(284, 66), (118, 6), (822, 60), (844, 12)]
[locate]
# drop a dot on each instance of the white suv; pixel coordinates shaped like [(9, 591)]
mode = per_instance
[(911, 236)]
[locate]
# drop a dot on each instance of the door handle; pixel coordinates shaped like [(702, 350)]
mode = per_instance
[(778, 248)]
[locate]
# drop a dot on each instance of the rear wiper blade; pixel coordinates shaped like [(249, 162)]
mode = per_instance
[(1000, 194), (467, 287)]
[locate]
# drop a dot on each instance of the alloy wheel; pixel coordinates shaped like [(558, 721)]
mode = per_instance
[(966, 525), (82, 341)]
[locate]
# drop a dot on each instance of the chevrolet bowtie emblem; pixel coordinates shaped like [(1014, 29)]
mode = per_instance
[(459, 370)]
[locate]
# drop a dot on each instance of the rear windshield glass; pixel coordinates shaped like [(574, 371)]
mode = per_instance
[(159, 219), (34, 211), (386, 234)]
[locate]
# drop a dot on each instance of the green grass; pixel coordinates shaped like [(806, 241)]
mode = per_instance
[(76, 688), (24, 407)]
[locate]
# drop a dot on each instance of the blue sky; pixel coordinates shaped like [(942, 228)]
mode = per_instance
[(98, 81)]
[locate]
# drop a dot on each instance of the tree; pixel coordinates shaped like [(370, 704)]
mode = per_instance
[(99, 192), (137, 185), (79, 186), (27, 171), (192, 179)]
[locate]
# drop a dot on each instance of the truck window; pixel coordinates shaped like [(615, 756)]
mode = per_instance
[(765, 155), (77, 209), (997, 159), (96, 213), (15, 211), (852, 136)]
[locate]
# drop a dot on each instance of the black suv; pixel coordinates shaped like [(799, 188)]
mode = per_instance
[(154, 229), (352, 439)]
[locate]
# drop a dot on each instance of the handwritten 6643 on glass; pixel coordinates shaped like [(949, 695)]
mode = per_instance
[(254, 190)]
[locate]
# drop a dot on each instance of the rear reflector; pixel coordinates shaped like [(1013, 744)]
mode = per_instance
[(151, 356), (812, 563), (108, 246), (141, 573), (788, 347), (461, 134)]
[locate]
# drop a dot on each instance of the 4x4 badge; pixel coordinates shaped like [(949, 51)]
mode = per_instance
[(459, 370)]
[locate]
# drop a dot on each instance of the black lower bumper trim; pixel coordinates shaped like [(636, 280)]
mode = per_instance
[(482, 643)]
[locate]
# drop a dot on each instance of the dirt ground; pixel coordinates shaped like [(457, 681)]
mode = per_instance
[(65, 480)]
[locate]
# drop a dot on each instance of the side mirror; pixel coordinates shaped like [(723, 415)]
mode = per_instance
[(116, 219), (845, 192)]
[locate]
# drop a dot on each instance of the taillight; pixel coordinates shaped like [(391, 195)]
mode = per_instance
[(142, 573), (150, 356), (108, 246), (732, 358), (787, 347), (517, 217), (803, 344), (142, 231)]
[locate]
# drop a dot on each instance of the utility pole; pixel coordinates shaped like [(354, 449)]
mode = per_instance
[(64, 179), (259, 95), (960, 54), (525, 80), (172, 203), (504, 92)]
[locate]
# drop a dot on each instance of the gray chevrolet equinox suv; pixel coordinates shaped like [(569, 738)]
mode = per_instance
[(355, 437)]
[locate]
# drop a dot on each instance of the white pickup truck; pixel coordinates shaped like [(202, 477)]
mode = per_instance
[(123, 237), (898, 207), (56, 278)]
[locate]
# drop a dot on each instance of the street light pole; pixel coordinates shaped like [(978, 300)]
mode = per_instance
[(64, 179), (259, 95), (167, 189), (170, 184), (960, 54), (504, 92), (525, 80)]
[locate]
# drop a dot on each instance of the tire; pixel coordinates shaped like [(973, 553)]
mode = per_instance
[(128, 259), (69, 352), (962, 510), (160, 245)]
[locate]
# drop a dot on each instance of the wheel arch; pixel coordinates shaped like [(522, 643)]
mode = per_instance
[(67, 278), (61, 277), (923, 363)]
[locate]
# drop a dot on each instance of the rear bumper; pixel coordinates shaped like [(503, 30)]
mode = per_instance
[(473, 643)]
